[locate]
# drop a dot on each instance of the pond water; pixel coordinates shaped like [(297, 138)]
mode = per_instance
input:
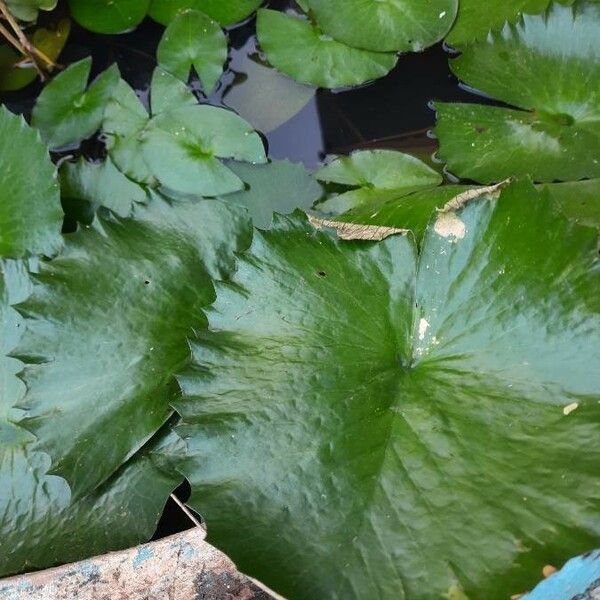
[(392, 112)]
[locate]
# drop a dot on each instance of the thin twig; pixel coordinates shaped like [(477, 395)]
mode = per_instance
[(29, 48), (189, 514), (23, 51), (266, 589), (13, 41)]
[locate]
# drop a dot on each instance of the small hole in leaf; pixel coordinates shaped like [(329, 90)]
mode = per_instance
[(146, 282), (321, 274)]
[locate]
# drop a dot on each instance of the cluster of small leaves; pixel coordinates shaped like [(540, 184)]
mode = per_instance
[(404, 417)]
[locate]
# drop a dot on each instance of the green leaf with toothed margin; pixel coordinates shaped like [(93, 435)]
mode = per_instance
[(548, 67), (107, 326), (422, 417), (30, 213), (40, 523), (476, 19)]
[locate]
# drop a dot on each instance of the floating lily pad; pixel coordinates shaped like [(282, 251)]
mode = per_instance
[(109, 16), (276, 187), (126, 118), (86, 186), (301, 50), (376, 176), (65, 112), (194, 40), (392, 25), (360, 407), (168, 92), (30, 210), (180, 146), (548, 66), (226, 12), (100, 365)]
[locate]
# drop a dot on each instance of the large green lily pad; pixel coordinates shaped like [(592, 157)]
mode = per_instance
[(391, 25), (107, 327), (366, 421), (226, 12), (301, 50), (30, 210), (549, 67), (40, 525)]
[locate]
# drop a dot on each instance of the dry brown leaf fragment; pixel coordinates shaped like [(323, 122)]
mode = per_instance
[(356, 231)]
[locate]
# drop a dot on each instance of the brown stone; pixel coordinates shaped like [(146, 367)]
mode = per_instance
[(180, 567)]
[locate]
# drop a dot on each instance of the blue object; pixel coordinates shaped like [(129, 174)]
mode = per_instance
[(579, 579)]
